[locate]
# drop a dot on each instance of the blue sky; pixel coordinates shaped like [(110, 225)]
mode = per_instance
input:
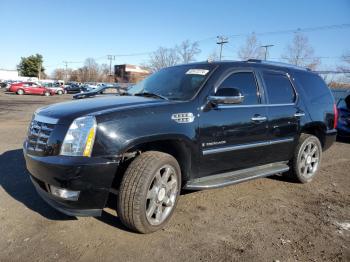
[(63, 30)]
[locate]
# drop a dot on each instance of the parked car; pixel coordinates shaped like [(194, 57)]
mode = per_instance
[(30, 88), (75, 88), (194, 126), (56, 87), (101, 91), (342, 97)]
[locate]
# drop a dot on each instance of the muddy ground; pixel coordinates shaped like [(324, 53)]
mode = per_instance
[(263, 220)]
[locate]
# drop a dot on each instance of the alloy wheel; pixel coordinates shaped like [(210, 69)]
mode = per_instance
[(161, 195), (309, 159)]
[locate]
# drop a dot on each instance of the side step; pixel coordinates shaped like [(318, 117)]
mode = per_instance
[(234, 177)]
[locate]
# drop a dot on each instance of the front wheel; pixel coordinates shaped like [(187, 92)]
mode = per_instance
[(149, 191), (47, 93), (59, 92), (20, 92), (307, 158)]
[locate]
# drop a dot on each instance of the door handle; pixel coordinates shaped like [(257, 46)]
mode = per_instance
[(299, 114), (258, 118)]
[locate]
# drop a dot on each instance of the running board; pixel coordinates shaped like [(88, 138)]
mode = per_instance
[(234, 177)]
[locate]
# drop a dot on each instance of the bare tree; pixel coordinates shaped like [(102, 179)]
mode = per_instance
[(187, 51), (251, 49), (213, 56), (91, 69), (301, 53), (345, 58), (58, 74), (163, 57), (103, 73)]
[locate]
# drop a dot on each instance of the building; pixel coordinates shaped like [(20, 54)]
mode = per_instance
[(13, 75), (129, 73), (8, 74)]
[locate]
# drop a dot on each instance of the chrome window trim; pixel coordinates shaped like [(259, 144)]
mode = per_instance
[(245, 106), (246, 146), (45, 119)]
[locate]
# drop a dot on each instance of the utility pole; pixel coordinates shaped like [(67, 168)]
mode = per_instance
[(39, 71), (110, 58), (266, 49), (65, 71), (221, 41)]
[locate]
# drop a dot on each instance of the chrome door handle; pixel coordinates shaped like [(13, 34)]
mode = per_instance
[(259, 118), (299, 114)]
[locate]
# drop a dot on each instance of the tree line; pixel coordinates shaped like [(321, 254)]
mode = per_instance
[(298, 52)]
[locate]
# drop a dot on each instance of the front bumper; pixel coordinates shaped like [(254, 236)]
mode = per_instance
[(93, 177)]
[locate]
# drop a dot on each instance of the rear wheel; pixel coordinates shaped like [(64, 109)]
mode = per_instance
[(307, 158), (20, 92), (59, 92), (149, 192)]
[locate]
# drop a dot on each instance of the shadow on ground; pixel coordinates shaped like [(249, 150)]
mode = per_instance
[(14, 179)]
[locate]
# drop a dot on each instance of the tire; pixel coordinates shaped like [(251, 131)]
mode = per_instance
[(20, 92), (47, 93), (59, 92), (151, 184), (307, 159)]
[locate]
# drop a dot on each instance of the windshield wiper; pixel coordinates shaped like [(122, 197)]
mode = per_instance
[(149, 94)]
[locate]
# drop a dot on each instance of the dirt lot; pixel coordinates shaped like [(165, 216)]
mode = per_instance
[(263, 220)]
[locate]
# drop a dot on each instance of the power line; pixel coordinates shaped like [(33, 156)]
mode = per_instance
[(301, 30)]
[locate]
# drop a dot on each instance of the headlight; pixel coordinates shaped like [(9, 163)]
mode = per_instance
[(80, 137)]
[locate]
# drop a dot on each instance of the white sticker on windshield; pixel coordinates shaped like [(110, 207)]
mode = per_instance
[(202, 72)]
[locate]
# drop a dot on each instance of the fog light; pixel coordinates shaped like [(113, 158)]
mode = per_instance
[(64, 193)]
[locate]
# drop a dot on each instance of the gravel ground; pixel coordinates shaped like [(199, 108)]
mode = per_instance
[(267, 219)]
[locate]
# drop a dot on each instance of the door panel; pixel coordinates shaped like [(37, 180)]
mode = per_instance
[(233, 136), (233, 130), (283, 113)]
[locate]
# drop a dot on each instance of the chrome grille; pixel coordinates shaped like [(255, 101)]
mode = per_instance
[(38, 135)]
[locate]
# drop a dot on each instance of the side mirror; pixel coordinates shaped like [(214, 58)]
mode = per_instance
[(226, 96)]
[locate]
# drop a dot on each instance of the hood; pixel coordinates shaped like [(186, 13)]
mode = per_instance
[(67, 111)]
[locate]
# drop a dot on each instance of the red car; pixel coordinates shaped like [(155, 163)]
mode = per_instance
[(30, 88)]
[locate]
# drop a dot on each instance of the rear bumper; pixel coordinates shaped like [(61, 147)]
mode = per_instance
[(330, 137), (93, 177)]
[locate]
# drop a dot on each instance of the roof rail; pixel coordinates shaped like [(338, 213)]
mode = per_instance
[(277, 64)]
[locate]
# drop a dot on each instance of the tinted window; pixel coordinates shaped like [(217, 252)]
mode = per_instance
[(246, 84), (279, 89), (315, 88)]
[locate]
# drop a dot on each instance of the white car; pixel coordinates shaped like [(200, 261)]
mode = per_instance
[(56, 87)]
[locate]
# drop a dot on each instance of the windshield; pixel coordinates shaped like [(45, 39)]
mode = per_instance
[(174, 83)]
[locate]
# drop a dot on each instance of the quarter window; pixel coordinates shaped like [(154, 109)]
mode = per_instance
[(279, 88), (246, 84)]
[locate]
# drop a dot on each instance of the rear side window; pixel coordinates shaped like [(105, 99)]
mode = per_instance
[(314, 87), (246, 84), (279, 88)]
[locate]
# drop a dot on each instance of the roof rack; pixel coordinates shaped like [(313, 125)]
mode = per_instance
[(277, 64)]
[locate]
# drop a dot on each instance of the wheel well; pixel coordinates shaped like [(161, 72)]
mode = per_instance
[(177, 148), (315, 131)]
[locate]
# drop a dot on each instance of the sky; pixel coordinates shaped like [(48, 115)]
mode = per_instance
[(67, 30)]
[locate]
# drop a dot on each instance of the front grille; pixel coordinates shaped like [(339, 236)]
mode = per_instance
[(38, 135)]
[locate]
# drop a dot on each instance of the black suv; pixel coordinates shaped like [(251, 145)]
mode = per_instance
[(194, 126)]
